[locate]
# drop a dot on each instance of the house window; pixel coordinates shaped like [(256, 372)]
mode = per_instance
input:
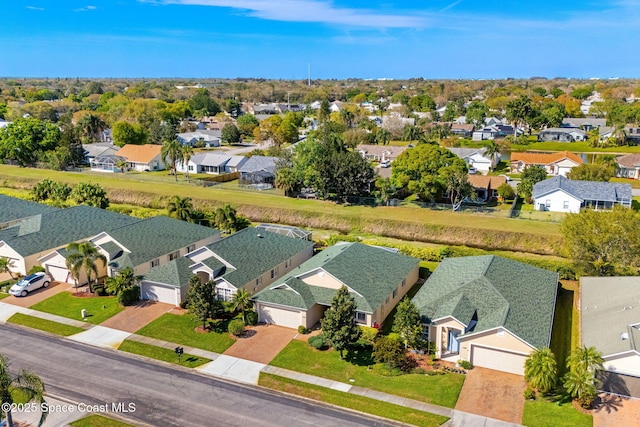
[(174, 255), (274, 273), (395, 293), (258, 281), (155, 262), (565, 205), (190, 168), (287, 263), (425, 332), (404, 282), (191, 248), (361, 317), (547, 203), (387, 301)]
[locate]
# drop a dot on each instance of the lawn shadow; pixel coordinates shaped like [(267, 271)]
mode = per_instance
[(220, 326), (360, 354)]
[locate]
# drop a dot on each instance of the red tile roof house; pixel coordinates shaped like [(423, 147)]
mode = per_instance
[(143, 158), (559, 163)]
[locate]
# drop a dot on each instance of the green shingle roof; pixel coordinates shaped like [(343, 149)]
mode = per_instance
[(60, 227), (175, 273), (372, 272), (13, 209), (253, 252), (149, 238), (501, 292)]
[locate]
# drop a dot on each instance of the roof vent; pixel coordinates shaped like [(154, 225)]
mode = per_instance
[(629, 307), (259, 236), (624, 336)]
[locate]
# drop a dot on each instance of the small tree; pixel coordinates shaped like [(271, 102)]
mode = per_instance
[(25, 383), (180, 208), (339, 326), (242, 301), (541, 370), (230, 134), (201, 299), (90, 194), (5, 266), (390, 351), (530, 176), (407, 322), (506, 192), (584, 363), (83, 256), (125, 279)]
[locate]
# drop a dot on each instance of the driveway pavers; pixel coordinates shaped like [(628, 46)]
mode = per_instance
[(261, 343), (38, 295), (616, 411), (135, 317)]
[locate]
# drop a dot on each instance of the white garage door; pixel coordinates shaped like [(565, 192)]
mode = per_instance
[(154, 292), (279, 316), (498, 359), (60, 274)]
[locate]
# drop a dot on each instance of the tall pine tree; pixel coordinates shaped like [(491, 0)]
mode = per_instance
[(339, 323), (201, 300), (407, 322)]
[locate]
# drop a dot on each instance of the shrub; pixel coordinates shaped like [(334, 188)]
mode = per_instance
[(335, 238), (35, 269), (369, 334), (252, 318), (184, 304), (385, 370), (236, 327), (100, 290), (129, 296), (465, 364), (587, 398), (303, 330), (317, 342), (529, 394)]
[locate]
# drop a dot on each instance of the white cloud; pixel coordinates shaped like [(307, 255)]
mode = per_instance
[(85, 9), (34, 8), (322, 11)]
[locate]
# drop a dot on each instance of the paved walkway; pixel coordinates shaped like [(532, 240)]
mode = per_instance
[(247, 371), (37, 295)]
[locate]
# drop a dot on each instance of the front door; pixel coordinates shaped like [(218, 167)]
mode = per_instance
[(454, 344)]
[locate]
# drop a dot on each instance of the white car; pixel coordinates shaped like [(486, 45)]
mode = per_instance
[(505, 177), (30, 284)]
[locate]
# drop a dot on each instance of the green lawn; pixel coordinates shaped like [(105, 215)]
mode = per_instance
[(346, 400), (164, 354), (99, 421), (3, 295), (578, 147), (566, 324), (44, 325), (180, 330), (66, 305), (439, 389), (541, 413), (635, 183)]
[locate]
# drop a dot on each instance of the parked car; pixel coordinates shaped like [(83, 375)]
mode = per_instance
[(30, 284), (473, 170), (385, 163), (505, 177)]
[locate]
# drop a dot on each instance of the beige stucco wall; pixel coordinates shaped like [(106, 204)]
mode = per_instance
[(294, 262), (381, 313), (322, 279), (499, 339), (628, 364), (312, 316)]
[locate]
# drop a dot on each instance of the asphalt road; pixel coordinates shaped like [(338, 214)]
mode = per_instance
[(163, 396)]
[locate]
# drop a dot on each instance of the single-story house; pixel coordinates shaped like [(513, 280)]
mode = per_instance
[(379, 153), (38, 235), (559, 163), (91, 151), (13, 210), (258, 171), (488, 310), (142, 158), (586, 124), (107, 163), (251, 259), (140, 245), (212, 163), (464, 130), (477, 158), (210, 138), (628, 166), (486, 186), (495, 131), (610, 322), (560, 194), (376, 277), (562, 135)]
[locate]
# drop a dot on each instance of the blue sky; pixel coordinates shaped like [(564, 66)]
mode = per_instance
[(338, 38)]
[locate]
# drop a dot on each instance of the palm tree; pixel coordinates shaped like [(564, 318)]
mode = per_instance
[(581, 385), (491, 149), (122, 165), (124, 280), (5, 266), (186, 153), (83, 256), (586, 359), (242, 301), (181, 208), (90, 127), (171, 150), (541, 370), (25, 383), (228, 221)]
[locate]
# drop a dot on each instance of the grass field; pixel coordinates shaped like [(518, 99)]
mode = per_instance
[(566, 324), (99, 421), (299, 356), (44, 325), (358, 403), (181, 330), (3, 295), (541, 413), (64, 304), (164, 354), (577, 147)]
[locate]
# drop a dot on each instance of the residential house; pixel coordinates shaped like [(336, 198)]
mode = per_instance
[(140, 245), (13, 210), (259, 172), (208, 138), (91, 151), (560, 194), (477, 158), (495, 131), (586, 124), (488, 310), (212, 163), (632, 134), (562, 135), (379, 153), (335, 106), (610, 322), (558, 163), (464, 130), (376, 277), (249, 259), (108, 163), (628, 166), (585, 105), (142, 158), (38, 235), (486, 187)]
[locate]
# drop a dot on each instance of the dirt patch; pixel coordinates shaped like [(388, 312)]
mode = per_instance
[(134, 317), (261, 343), (37, 296), (493, 394), (615, 411)]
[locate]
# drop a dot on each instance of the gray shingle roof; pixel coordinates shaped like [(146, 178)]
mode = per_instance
[(259, 163), (500, 291), (466, 152), (12, 209), (372, 272), (610, 306), (584, 190), (61, 227), (210, 159), (629, 160)]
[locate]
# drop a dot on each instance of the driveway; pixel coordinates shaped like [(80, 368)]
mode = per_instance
[(616, 411), (135, 317), (261, 343), (39, 295), (493, 394)]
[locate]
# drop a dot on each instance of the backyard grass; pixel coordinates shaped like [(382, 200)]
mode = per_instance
[(44, 325), (299, 356), (577, 147), (99, 421), (635, 183), (566, 324), (346, 400), (159, 353), (64, 304), (542, 413), (3, 295), (181, 330)]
